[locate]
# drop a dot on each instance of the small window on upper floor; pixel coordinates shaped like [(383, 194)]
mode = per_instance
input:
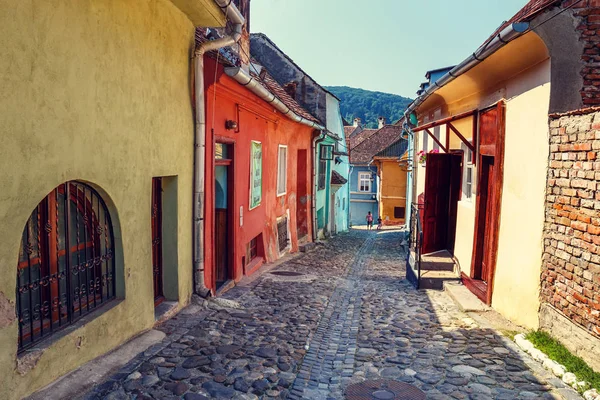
[(364, 182), (282, 170)]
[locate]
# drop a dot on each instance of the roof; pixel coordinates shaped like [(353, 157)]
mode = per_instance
[(395, 150), (358, 137), (265, 37), (431, 71), (272, 86), (531, 10), (345, 123), (337, 178), (375, 143), (348, 130)]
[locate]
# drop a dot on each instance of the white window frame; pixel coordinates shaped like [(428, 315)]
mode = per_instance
[(282, 180), (468, 187), (365, 176)]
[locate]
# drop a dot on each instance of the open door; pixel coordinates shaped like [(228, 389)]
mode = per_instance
[(437, 197), (487, 209)]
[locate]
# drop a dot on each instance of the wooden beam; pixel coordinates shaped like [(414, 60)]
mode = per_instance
[(461, 137), (447, 135), (475, 127), (444, 121), (436, 140)]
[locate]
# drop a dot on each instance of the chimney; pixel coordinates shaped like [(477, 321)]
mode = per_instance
[(356, 122), (381, 122)]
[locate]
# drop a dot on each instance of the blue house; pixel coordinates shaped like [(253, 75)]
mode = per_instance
[(367, 153)]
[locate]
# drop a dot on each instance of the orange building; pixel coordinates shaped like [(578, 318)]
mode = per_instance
[(258, 172)]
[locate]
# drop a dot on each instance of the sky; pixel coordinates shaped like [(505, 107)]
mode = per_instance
[(382, 45)]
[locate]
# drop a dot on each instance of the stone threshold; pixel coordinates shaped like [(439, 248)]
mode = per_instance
[(464, 298)]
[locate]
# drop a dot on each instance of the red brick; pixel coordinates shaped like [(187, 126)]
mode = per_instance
[(580, 226)]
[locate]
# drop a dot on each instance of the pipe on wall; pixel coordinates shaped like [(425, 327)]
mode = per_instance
[(243, 78), (233, 15)]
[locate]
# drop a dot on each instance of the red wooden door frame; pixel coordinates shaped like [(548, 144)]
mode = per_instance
[(491, 145)]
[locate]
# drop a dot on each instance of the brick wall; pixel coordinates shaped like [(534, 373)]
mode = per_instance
[(571, 262), (588, 13)]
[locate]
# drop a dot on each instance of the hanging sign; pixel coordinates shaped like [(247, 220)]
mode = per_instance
[(255, 174)]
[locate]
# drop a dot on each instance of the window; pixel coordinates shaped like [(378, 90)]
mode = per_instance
[(282, 170), (282, 234), (322, 173), (364, 182), (399, 212), (468, 173), (66, 267)]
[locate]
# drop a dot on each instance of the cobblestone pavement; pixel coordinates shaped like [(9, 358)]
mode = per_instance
[(350, 317)]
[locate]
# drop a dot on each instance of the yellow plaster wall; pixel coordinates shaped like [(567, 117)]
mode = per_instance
[(517, 281), (97, 91), (517, 278), (393, 190)]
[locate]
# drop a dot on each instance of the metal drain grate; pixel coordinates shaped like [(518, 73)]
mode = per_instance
[(286, 273), (384, 389)]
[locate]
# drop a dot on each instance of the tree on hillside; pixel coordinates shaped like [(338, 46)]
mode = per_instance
[(368, 105)]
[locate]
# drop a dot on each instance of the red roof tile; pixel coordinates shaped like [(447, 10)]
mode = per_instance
[(364, 151), (337, 178)]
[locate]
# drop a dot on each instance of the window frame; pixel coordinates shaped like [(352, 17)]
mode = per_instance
[(282, 179), (368, 180), (322, 174), (468, 186)]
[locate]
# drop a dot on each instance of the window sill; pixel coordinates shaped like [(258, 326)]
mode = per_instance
[(254, 265), (281, 194)]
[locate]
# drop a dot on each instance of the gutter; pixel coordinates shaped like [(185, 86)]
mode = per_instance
[(511, 32), (234, 15), (244, 79)]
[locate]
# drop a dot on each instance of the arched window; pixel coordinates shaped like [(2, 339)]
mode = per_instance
[(66, 267)]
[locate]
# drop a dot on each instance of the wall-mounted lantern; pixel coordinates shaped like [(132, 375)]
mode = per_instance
[(231, 125)]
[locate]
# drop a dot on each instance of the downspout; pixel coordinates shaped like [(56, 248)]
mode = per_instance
[(318, 139), (234, 15)]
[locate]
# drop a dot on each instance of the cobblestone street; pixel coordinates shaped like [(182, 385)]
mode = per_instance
[(349, 317)]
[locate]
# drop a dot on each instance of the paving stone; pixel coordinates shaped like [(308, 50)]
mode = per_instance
[(359, 319)]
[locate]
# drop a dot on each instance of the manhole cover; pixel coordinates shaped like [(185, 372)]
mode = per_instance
[(286, 273), (383, 390)]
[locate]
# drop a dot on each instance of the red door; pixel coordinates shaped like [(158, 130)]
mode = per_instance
[(454, 196), (157, 259), (484, 220), (437, 198), (302, 195)]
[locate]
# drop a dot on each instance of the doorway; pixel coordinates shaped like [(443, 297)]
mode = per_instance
[(302, 196), (157, 253), (222, 212), (442, 191), (487, 209)]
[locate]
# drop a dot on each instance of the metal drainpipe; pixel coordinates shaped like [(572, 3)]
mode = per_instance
[(233, 14), (316, 141)]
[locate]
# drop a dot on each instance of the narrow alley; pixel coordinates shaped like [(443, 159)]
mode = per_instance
[(338, 315)]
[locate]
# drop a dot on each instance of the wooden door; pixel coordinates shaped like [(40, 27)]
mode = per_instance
[(302, 195), (221, 249), (437, 197), (455, 173), (488, 203), (157, 256)]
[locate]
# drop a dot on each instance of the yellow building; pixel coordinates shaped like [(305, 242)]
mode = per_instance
[(392, 188), (481, 181), (96, 103)]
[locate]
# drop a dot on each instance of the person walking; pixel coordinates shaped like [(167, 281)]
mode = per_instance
[(379, 223), (369, 220)]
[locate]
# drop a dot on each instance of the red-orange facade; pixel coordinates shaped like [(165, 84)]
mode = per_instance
[(237, 239)]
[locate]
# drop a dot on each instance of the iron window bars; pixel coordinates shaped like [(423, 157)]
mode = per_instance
[(66, 267)]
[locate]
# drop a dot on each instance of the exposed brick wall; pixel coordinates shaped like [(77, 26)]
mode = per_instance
[(588, 13), (571, 261)]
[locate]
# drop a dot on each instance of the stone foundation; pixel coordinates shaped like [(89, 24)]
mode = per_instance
[(578, 340)]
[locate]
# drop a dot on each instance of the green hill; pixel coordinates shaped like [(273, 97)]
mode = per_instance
[(368, 105)]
